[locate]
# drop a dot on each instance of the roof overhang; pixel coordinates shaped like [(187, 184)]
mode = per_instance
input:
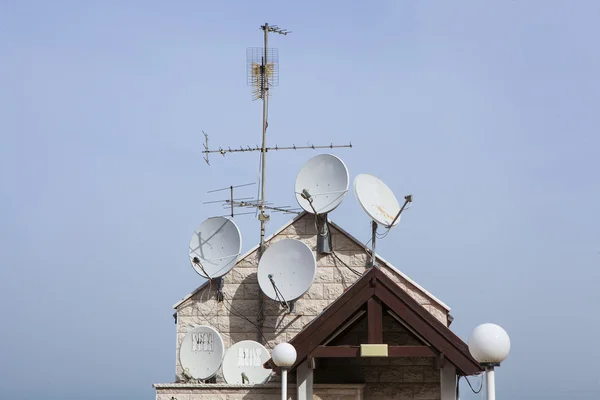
[(372, 292)]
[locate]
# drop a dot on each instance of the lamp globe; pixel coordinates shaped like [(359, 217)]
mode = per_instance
[(284, 355), (489, 344)]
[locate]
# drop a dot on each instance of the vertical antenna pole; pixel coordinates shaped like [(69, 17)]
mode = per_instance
[(264, 88), (261, 216), (374, 224), (231, 197)]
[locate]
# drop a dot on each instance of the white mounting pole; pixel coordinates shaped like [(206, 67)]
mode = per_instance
[(283, 383), (264, 94), (490, 383), (374, 233)]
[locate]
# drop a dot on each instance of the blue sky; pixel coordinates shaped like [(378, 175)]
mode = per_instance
[(484, 111)]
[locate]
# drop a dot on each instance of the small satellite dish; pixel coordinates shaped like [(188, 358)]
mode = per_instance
[(286, 270), (201, 352), (243, 363), (377, 200), (323, 181), (215, 247)]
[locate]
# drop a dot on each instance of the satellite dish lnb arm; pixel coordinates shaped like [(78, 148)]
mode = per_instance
[(407, 199)]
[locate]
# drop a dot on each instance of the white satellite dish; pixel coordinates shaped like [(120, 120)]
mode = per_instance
[(324, 180), (215, 247), (286, 270), (377, 200), (201, 352), (243, 363)]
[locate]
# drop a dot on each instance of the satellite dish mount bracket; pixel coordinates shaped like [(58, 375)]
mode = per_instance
[(220, 295)]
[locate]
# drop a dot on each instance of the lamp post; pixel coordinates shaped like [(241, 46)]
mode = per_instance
[(284, 356), (489, 345)]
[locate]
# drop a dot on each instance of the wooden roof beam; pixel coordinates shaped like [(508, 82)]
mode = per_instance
[(354, 351)]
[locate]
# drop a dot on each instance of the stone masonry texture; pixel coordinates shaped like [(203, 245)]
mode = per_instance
[(236, 316)]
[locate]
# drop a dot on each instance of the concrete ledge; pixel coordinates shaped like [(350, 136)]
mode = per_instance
[(211, 386)]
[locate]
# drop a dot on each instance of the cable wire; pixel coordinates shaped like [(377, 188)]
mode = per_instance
[(471, 386), (235, 312), (346, 265)]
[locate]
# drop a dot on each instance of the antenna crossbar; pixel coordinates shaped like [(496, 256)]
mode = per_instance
[(284, 209), (223, 151), (231, 187)]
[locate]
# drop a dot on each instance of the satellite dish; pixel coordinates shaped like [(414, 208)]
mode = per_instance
[(377, 200), (201, 352), (324, 180), (243, 363), (215, 247), (286, 270)]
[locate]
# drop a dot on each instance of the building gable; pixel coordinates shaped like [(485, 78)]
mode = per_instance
[(237, 316), (372, 297)]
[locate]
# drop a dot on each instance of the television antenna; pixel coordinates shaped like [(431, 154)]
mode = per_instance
[(281, 209), (231, 197), (263, 73), (245, 202)]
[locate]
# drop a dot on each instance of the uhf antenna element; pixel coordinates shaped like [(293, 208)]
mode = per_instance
[(231, 199), (206, 147)]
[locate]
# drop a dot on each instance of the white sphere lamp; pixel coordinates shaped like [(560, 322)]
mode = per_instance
[(489, 345), (284, 355)]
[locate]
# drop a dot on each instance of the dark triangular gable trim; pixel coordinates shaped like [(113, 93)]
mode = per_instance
[(375, 284)]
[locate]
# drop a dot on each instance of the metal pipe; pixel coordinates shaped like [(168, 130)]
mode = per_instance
[(261, 216), (373, 243), (407, 200), (490, 383), (264, 89), (231, 195), (283, 383)]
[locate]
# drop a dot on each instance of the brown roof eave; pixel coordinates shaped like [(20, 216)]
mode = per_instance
[(375, 283)]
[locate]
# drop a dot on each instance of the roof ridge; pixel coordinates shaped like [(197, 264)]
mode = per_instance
[(349, 236)]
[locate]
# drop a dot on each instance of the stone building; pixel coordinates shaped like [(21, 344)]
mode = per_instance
[(348, 305)]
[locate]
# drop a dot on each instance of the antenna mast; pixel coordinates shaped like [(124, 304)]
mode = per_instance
[(264, 95), (262, 73)]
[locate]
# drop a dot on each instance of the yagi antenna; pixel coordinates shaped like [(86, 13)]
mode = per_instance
[(282, 209), (206, 147), (231, 199), (241, 149)]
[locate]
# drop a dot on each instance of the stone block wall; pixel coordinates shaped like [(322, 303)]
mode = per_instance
[(235, 317), (384, 378)]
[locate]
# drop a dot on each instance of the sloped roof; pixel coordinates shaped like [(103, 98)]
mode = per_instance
[(375, 285), (349, 236)]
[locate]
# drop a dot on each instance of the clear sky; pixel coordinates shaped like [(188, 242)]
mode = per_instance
[(484, 111)]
